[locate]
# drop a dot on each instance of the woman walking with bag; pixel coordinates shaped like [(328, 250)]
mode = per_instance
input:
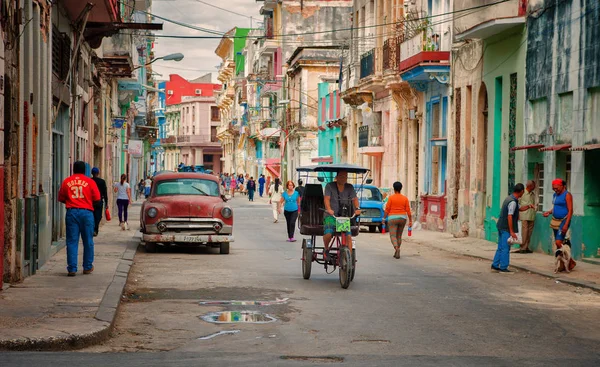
[(275, 198), (397, 211), (290, 199), (123, 199)]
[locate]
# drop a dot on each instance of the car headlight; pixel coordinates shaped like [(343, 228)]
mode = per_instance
[(152, 212), (226, 212)]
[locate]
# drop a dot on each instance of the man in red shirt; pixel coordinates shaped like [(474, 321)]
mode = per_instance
[(79, 192)]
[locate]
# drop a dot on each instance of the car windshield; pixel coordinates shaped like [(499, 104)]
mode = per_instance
[(369, 193), (187, 186)]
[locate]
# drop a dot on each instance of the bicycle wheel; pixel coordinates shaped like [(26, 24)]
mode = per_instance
[(307, 257), (345, 267), (353, 264)]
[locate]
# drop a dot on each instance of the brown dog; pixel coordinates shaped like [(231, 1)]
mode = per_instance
[(563, 260)]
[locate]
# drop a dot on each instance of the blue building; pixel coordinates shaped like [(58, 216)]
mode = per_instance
[(330, 120), (158, 151)]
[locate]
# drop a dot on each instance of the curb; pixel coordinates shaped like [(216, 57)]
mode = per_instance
[(107, 312), (578, 283)]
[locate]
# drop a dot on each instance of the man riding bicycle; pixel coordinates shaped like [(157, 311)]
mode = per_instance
[(340, 198)]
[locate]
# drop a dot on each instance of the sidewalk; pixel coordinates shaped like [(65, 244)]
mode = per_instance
[(584, 275), (50, 311)]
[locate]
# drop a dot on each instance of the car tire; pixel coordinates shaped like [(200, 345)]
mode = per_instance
[(372, 229), (150, 247), (224, 248)]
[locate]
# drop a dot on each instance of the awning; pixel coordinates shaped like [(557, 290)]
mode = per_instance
[(524, 147), (586, 147), (555, 147)]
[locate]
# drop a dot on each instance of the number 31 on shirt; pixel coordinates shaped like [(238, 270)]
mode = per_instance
[(77, 192)]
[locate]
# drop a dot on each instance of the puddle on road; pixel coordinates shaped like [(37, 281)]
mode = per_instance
[(244, 303), (223, 332), (234, 317)]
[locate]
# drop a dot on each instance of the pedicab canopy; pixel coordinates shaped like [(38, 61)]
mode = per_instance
[(330, 168)]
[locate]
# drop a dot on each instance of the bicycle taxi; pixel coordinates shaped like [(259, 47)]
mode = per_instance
[(312, 211)]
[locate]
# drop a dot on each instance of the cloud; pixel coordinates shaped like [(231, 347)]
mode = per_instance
[(199, 54)]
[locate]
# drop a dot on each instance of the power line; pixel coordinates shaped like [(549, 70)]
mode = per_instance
[(225, 10), (181, 24)]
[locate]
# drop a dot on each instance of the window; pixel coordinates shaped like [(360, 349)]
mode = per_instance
[(186, 186), (214, 113), (564, 116), (592, 119), (207, 158), (213, 134), (193, 129), (436, 124), (193, 114), (539, 114), (539, 187), (568, 171)]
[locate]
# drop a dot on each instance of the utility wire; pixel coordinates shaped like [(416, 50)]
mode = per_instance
[(225, 10), (181, 24), (317, 32)]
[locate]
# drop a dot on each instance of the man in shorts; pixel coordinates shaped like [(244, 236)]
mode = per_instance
[(340, 201)]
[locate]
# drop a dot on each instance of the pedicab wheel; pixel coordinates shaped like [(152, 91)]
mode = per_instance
[(150, 247), (307, 256), (345, 267), (353, 264)]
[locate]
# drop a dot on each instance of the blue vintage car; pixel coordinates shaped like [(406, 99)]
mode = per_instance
[(371, 205)]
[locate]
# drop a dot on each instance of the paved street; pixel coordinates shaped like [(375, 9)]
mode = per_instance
[(431, 307)]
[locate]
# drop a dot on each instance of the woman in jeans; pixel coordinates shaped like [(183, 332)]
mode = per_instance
[(290, 199), (274, 198), (397, 211), (123, 199)]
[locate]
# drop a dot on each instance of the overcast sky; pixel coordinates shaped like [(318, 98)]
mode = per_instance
[(200, 56)]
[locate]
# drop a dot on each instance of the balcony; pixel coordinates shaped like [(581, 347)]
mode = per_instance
[(171, 140), (196, 140), (369, 140), (489, 21), (115, 57), (391, 54), (422, 60), (103, 11), (367, 64)]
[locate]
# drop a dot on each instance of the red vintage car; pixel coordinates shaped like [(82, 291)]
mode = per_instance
[(186, 209)]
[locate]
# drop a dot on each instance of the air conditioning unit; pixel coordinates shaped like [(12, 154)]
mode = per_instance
[(198, 91), (170, 92)]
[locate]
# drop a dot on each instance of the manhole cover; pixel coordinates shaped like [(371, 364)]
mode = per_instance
[(232, 317)]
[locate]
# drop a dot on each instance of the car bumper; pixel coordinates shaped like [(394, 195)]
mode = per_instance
[(369, 221), (183, 238)]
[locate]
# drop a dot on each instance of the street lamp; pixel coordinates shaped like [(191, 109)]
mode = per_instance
[(171, 57)]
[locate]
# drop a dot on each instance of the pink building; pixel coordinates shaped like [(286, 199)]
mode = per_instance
[(195, 130), (197, 135)]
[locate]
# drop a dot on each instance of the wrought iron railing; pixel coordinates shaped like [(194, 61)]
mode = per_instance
[(391, 53), (363, 136), (367, 64)]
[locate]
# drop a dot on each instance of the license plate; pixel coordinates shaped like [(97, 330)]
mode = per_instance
[(193, 239), (366, 220)]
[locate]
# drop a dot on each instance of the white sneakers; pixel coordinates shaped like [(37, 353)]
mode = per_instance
[(124, 226)]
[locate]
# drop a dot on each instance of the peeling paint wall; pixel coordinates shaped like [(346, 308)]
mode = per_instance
[(314, 16), (563, 107)]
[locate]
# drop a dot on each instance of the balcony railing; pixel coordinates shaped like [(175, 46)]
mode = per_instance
[(425, 46), (367, 63), (391, 53), (363, 136), (193, 139), (369, 135)]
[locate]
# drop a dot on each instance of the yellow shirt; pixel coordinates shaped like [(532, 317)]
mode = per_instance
[(525, 200)]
